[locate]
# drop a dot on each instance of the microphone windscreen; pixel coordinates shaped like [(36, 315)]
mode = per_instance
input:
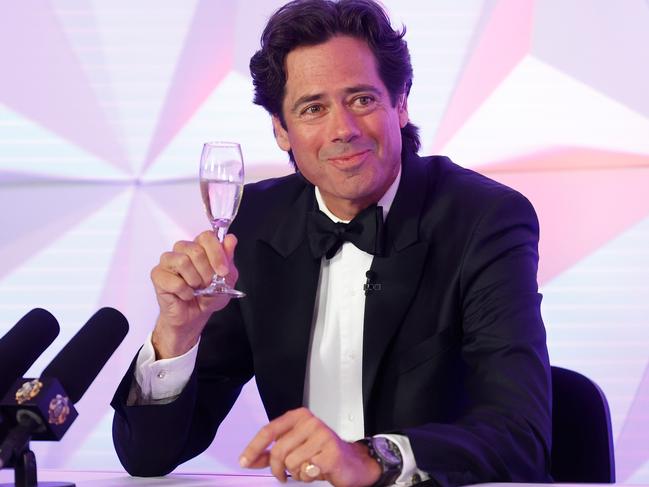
[(23, 344), (81, 360)]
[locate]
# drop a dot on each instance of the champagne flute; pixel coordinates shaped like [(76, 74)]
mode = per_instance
[(221, 180)]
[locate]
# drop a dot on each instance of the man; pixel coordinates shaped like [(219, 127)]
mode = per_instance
[(444, 355)]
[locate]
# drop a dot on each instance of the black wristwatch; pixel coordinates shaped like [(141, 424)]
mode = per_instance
[(388, 455)]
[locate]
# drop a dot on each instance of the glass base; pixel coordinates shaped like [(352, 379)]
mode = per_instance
[(219, 289)]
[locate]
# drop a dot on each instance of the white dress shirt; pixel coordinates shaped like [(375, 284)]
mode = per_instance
[(334, 378)]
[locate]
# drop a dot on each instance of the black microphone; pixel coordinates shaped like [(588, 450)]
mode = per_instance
[(369, 286), (42, 409), (78, 364), (23, 344)]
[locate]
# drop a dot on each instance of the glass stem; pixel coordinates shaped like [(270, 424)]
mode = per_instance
[(220, 231), (220, 228)]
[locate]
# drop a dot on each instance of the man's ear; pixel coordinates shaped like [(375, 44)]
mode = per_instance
[(402, 107), (281, 135)]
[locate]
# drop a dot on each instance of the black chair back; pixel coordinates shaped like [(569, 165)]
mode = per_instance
[(582, 440)]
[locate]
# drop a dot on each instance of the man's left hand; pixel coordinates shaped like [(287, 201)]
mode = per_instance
[(309, 450)]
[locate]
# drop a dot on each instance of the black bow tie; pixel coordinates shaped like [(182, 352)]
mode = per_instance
[(365, 231)]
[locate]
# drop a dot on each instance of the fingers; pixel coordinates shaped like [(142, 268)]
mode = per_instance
[(191, 265), (289, 442), (262, 461), (273, 432), (319, 455), (229, 244), (328, 459), (166, 282), (192, 258), (309, 450), (256, 455), (216, 258), (299, 446), (295, 447)]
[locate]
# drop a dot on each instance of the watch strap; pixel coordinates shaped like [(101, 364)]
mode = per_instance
[(390, 469)]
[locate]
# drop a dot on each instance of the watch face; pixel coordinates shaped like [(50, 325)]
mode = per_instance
[(388, 452)]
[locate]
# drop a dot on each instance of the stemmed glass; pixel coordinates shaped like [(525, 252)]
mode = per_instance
[(221, 179)]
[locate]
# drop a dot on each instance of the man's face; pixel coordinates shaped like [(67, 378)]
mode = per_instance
[(340, 123)]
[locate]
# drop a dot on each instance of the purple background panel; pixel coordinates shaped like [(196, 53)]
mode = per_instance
[(36, 214), (41, 78), (632, 446), (206, 58), (250, 20), (504, 41), (598, 43), (579, 211)]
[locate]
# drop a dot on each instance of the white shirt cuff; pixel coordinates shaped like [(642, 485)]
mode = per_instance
[(160, 381), (410, 474)]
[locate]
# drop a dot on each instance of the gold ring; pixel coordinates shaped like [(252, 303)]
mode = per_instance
[(312, 470)]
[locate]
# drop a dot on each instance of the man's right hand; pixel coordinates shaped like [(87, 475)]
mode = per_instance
[(189, 266)]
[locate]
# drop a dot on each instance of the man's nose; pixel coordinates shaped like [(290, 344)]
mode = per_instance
[(343, 125)]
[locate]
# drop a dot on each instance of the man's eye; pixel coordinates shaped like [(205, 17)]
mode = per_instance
[(312, 110), (363, 101)]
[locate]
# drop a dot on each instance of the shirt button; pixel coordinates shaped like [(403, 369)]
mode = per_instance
[(162, 374), (351, 356), (350, 417)]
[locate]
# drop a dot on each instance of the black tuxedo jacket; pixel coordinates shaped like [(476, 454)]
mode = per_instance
[(454, 352)]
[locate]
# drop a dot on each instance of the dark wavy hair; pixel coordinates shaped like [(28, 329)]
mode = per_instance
[(312, 22)]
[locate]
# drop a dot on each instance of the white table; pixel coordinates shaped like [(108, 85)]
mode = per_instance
[(118, 479)]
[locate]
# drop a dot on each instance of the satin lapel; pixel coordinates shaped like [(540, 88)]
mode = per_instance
[(286, 286), (398, 272)]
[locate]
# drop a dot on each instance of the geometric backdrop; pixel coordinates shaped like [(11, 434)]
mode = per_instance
[(104, 107)]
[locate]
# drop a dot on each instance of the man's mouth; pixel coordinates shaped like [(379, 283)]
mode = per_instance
[(349, 160)]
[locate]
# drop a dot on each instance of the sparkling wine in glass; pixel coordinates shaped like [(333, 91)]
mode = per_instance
[(221, 181)]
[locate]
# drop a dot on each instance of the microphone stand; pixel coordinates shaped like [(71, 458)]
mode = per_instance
[(25, 474), (15, 452)]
